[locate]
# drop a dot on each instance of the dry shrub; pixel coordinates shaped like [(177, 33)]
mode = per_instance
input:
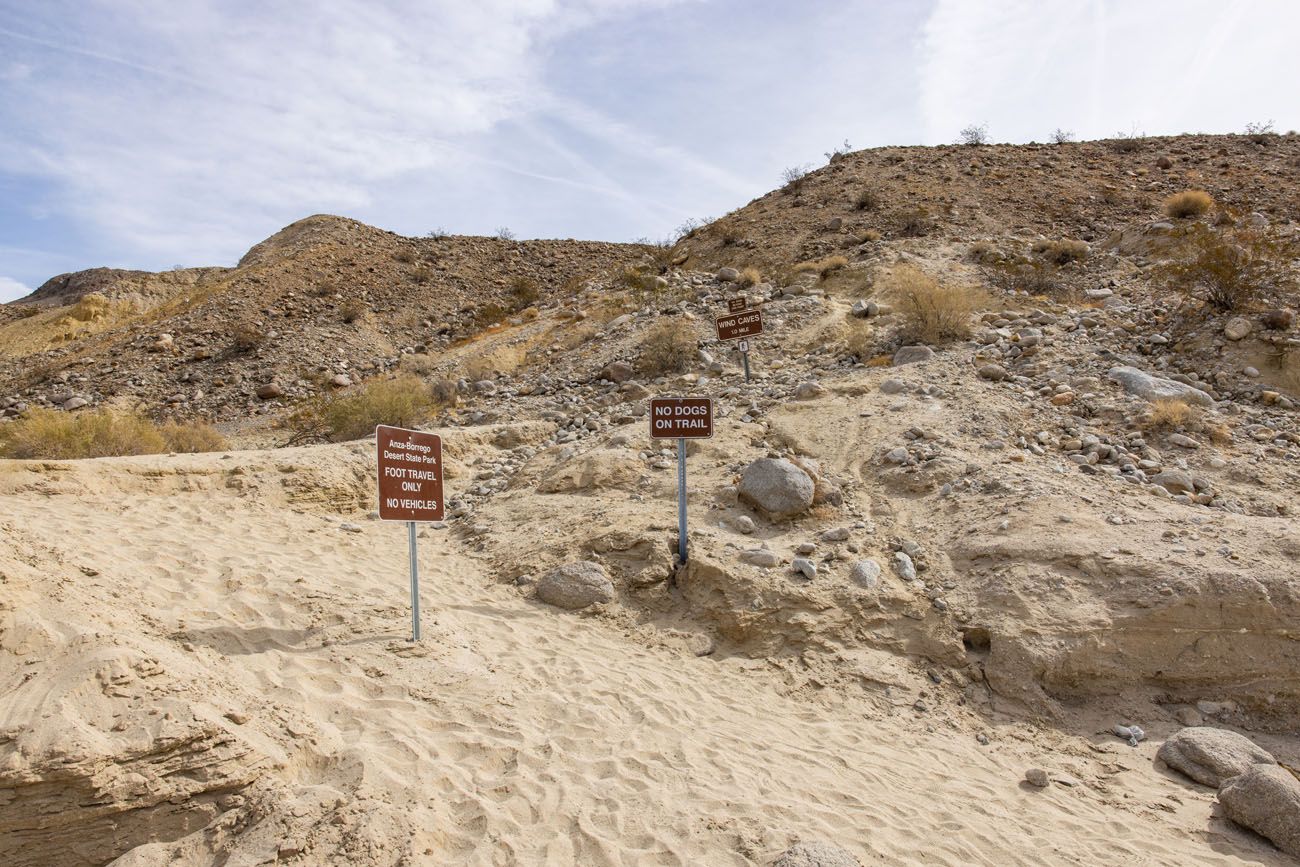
[(916, 223), (421, 273), (1189, 203), (246, 338), (27, 311), (749, 277), (404, 256), (418, 363), (352, 310), (1169, 414), (860, 340), (189, 437), (488, 315), (932, 312), (1061, 252), (90, 307), (1033, 276), (403, 402), (444, 392), (983, 252), (525, 291), (53, 435), (885, 360), (823, 268), (1233, 270), (794, 178), (866, 200), (668, 347), (870, 235)]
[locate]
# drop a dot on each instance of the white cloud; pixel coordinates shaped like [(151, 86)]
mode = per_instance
[(1106, 66), (186, 131), (11, 289)]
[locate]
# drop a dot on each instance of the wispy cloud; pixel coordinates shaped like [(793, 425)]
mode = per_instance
[(1104, 66), (182, 129), (11, 289)]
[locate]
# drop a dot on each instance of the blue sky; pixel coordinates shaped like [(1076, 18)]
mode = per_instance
[(148, 133)]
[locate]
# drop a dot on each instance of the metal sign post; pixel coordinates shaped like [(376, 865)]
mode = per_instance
[(681, 418), (410, 489), (738, 326)]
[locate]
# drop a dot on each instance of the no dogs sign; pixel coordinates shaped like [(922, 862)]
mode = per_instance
[(673, 418)]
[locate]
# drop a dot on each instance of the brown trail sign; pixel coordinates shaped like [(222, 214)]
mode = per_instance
[(410, 489), (734, 326), (738, 326), (735, 305), (681, 418)]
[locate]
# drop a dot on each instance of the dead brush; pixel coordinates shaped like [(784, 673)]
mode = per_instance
[(823, 268), (1232, 270), (668, 347), (1189, 203), (749, 277), (1168, 415), (1061, 252), (931, 311)]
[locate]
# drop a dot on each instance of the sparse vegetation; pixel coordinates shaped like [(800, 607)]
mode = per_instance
[(749, 277), (932, 312), (352, 309), (247, 338), (525, 291), (404, 256), (866, 200), (1018, 274), (1189, 203), (27, 311), (793, 178), (504, 234), (422, 273), (1169, 414), (1260, 133), (823, 268), (974, 135), (835, 153), (669, 347), (488, 315), (190, 437), (404, 401), (90, 307), (860, 340), (1128, 142), (1233, 270), (1062, 136), (916, 223), (438, 234), (52, 435), (1061, 252)]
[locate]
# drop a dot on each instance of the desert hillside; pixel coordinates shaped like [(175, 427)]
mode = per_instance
[(993, 560)]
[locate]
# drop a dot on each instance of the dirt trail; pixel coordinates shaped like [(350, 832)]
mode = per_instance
[(514, 733)]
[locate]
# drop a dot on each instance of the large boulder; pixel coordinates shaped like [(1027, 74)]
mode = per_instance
[(912, 354), (575, 585), (1210, 756), (617, 371), (816, 853), (777, 487), (1148, 387), (1266, 799)]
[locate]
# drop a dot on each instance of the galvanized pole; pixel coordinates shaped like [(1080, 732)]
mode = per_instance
[(745, 356), (415, 584), (681, 500)]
